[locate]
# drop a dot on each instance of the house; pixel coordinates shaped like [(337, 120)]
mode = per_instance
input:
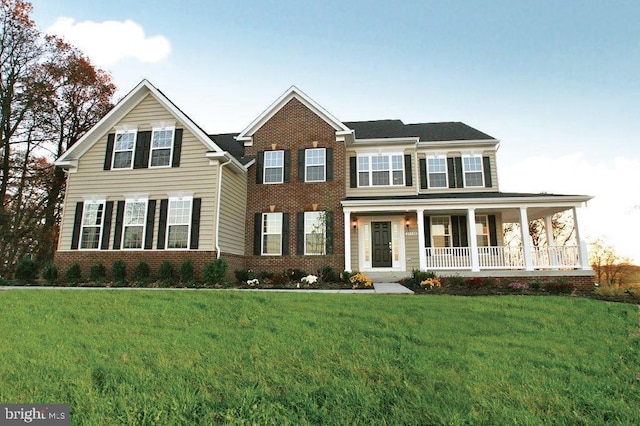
[(298, 188)]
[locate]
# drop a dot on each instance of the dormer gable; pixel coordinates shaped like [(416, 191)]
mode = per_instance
[(246, 136)]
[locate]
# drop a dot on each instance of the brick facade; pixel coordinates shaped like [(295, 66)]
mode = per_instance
[(292, 128)]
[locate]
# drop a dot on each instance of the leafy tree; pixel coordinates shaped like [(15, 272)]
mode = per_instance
[(610, 267)]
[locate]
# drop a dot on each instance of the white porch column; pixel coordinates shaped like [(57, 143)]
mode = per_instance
[(347, 240), (551, 243), (422, 254), (582, 246), (473, 242), (526, 239)]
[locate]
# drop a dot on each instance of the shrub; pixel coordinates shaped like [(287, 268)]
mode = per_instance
[(474, 283), (119, 272), (328, 275), (166, 273), (535, 285), (187, 273), (359, 280), (97, 272), (430, 283), (215, 272), (453, 281), (518, 286), (26, 270), (346, 276), (265, 275), (294, 274), (74, 274), (50, 273), (559, 286), (4, 282), (243, 275), (417, 277), (280, 279), (142, 273)]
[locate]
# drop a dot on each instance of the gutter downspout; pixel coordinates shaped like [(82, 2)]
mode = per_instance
[(217, 242)]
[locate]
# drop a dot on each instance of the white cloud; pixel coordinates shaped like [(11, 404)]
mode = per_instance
[(109, 42), (611, 214)]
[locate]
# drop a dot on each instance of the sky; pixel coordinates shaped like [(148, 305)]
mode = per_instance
[(557, 82)]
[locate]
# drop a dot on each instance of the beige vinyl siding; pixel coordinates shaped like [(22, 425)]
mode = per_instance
[(232, 212), (411, 244), (194, 175)]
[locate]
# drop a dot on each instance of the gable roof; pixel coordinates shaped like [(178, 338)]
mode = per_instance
[(120, 110), (292, 92), (426, 132)]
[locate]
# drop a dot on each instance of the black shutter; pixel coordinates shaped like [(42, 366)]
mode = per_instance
[(300, 233), (109, 154), (427, 234), (459, 180), (151, 219), (117, 238), (301, 153), (106, 225), (287, 165), (423, 173), (77, 224), (408, 171), (329, 232), (455, 230), (177, 148), (464, 236), (143, 147), (259, 166), (329, 153), (285, 233), (353, 173), (486, 163), (162, 223), (493, 231), (257, 234), (195, 223), (451, 171)]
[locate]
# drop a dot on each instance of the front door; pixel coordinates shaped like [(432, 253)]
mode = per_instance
[(381, 244)]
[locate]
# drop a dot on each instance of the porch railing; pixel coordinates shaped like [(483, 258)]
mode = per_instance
[(503, 257)]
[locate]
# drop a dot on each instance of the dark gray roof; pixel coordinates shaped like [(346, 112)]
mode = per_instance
[(452, 195), (228, 143), (427, 132)]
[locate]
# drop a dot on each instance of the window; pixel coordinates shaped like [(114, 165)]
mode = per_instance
[(135, 213), (178, 222), (315, 165), (314, 233), (123, 149), (161, 147), (272, 234), (482, 230), (381, 170), (441, 231), (273, 166), (92, 218), (472, 166), (437, 170)]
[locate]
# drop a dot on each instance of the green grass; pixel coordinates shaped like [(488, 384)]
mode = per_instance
[(176, 357)]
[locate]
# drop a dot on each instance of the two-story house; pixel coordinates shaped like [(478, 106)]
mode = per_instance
[(298, 188)]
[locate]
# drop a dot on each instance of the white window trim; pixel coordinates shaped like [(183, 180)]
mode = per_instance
[(324, 165), (390, 170), (264, 168), (166, 236), (324, 233), (133, 148), (144, 200), (151, 148), (450, 232), (446, 172), (464, 171), (82, 224), (262, 234)]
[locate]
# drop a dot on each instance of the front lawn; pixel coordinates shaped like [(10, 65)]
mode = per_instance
[(202, 357)]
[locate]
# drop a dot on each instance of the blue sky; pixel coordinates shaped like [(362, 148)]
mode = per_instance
[(558, 82)]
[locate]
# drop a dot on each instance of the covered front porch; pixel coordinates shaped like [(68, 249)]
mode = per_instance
[(459, 234)]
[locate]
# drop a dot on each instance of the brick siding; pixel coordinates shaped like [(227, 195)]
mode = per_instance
[(296, 127)]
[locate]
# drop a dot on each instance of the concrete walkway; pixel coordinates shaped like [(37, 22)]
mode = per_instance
[(378, 288)]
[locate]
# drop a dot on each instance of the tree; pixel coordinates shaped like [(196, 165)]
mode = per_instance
[(610, 267), (562, 225)]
